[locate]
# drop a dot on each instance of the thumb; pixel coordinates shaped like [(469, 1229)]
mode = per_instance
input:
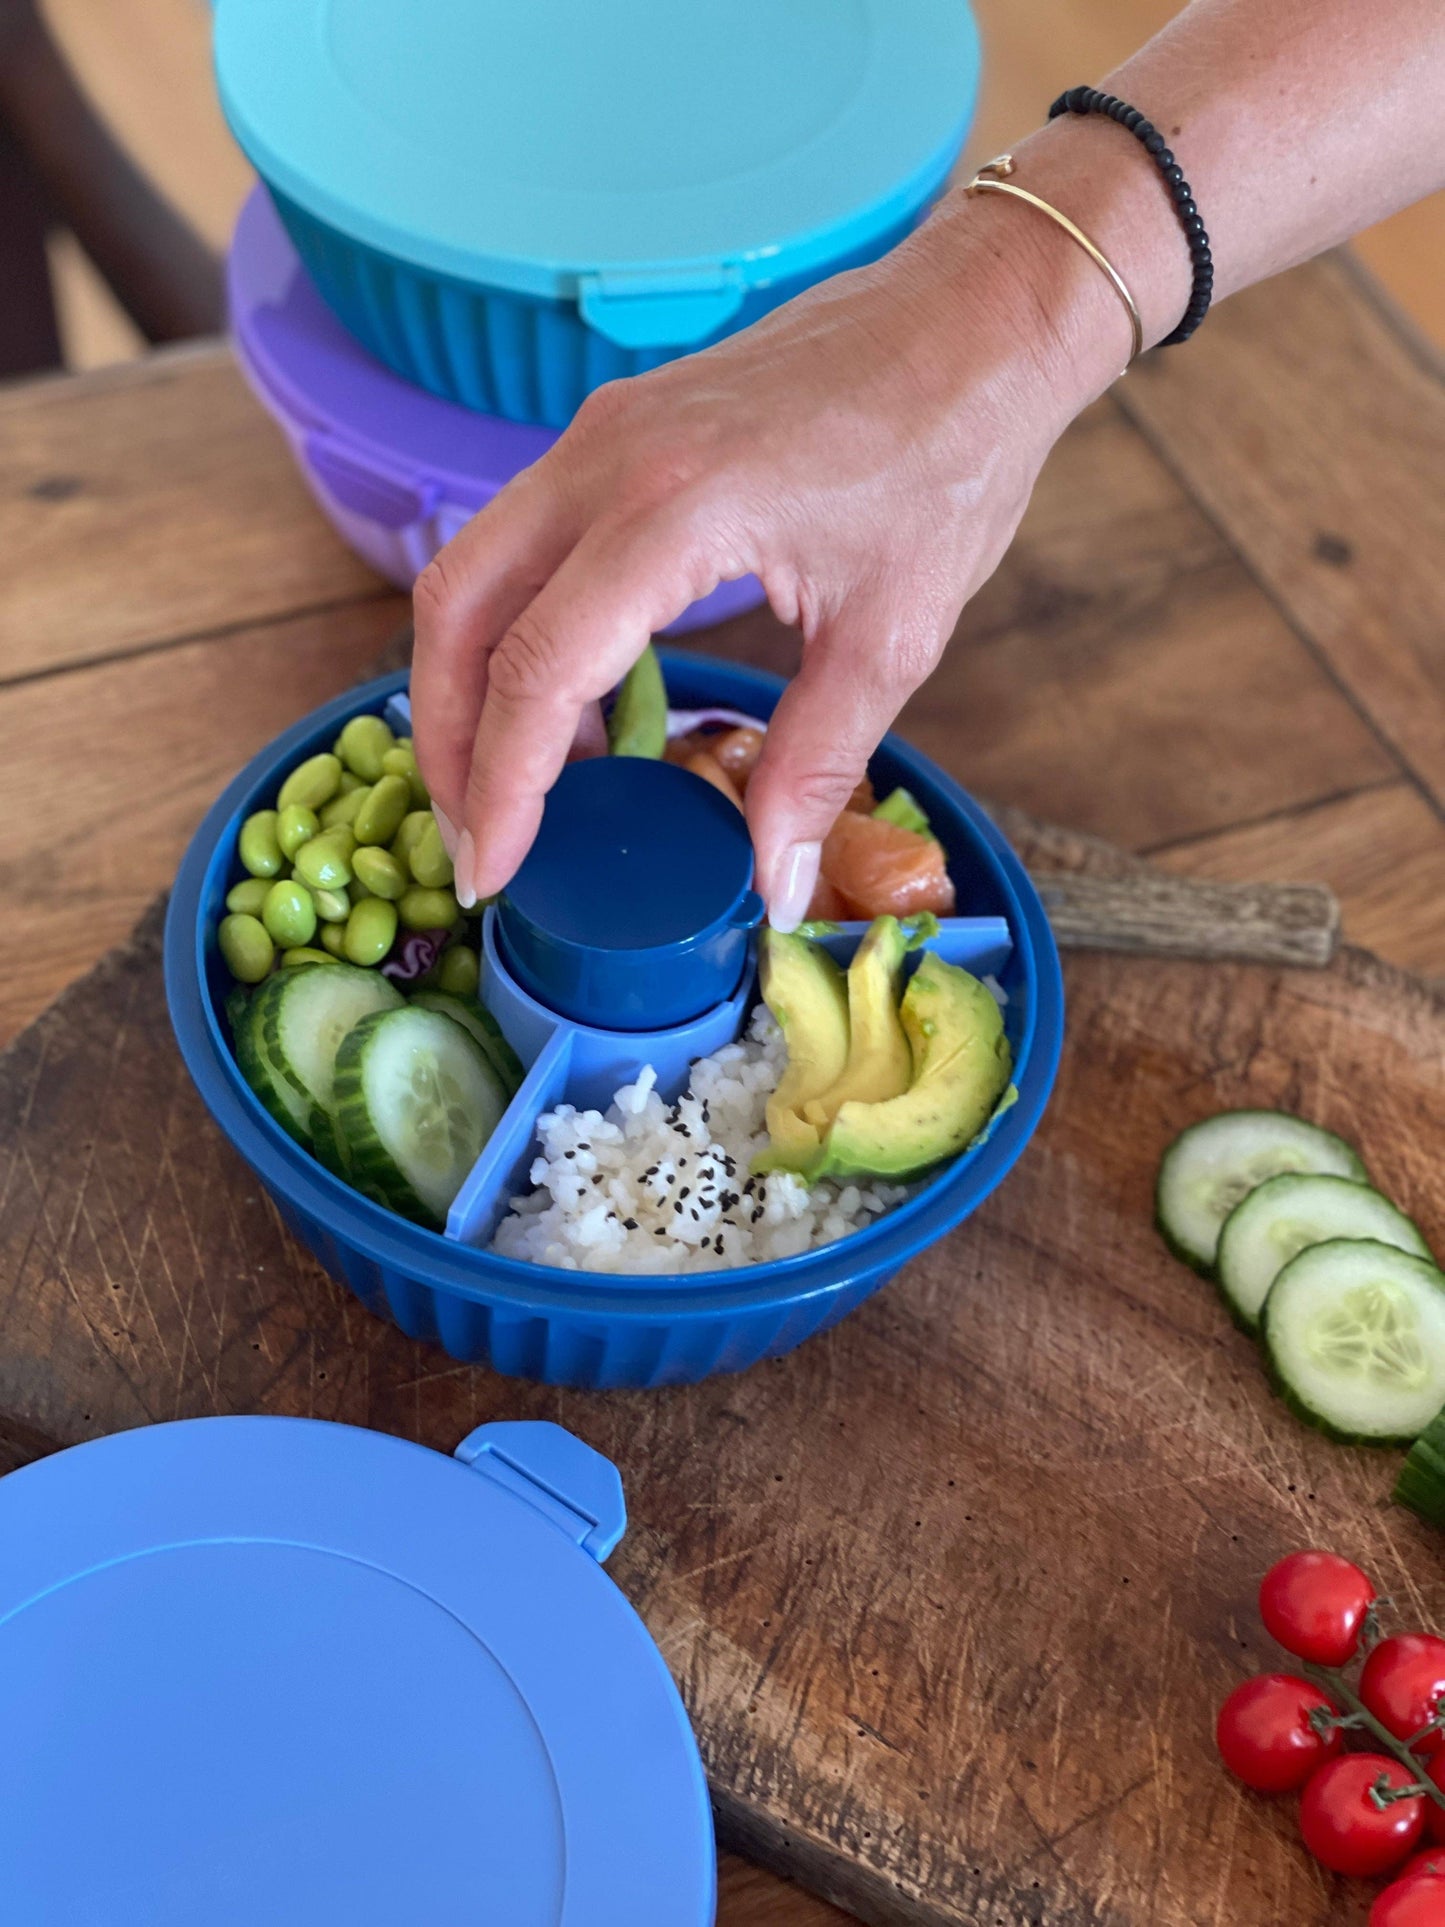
[(855, 677)]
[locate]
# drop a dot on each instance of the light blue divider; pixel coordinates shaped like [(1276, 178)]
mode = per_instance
[(568, 1063)]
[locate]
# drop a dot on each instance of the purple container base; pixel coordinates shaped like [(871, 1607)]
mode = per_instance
[(395, 470), (584, 1329)]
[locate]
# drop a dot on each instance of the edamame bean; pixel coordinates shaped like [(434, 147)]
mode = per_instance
[(311, 783), (428, 909), (295, 826), (257, 845), (245, 899), (325, 862), (248, 951), (402, 762), (430, 864), (350, 782), (333, 936), (290, 959), (332, 906), (363, 743), (459, 971), (289, 914), (340, 812), (370, 931), (380, 816), (412, 825), (380, 872)]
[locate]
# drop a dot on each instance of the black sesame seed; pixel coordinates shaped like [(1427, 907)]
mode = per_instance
[(629, 1224), (686, 1191), (757, 1213), (693, 1212), (569, 1154)]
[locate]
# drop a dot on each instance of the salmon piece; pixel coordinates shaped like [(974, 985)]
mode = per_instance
[(681, 747), (828, 905), (886, 871), (738, 751), (864, 799), (704, 764)]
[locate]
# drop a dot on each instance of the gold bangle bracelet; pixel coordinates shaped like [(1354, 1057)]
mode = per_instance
[(992, 179)]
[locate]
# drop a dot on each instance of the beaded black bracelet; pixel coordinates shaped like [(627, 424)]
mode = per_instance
[(1089, 100)]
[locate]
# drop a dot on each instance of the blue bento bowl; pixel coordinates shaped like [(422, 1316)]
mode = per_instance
[(572, 1328)]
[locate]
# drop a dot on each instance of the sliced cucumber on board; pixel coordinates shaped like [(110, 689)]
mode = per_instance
[(1212, 1166), (1421, 1484), (479, 1021), (1355, 1333), (308, 1013), (416, 1098), (1283, 1217)]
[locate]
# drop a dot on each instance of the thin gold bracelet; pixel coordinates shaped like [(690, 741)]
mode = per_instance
[(992, 178)]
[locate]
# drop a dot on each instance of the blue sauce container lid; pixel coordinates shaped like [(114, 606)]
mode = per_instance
[(634, 907), (650, 160), (262, 1669)]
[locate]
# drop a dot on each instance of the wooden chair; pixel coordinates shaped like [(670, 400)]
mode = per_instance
[(60, 166)]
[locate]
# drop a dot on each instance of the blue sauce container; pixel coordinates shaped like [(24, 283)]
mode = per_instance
[(511, 204), (633, 909), (593, 1329), (310, 1674)]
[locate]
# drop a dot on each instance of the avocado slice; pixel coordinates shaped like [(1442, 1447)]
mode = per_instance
[(961, 1068), (805, 991), (880, 1063)]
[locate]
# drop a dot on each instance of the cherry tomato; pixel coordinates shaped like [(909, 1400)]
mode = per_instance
[(1416, 1901), (1265, 1737), (1429, 1860), (1434, 1812), (1402, 1682), (1314, 1604), (1342, 1825)]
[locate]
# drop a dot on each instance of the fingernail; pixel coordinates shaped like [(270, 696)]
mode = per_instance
[(797, 876), (464, 863), (448, 830)]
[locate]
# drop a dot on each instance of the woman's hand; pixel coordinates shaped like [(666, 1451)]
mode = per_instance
[(866, 451)]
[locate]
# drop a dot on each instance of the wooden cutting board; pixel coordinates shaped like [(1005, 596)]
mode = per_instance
[(952, 1592)]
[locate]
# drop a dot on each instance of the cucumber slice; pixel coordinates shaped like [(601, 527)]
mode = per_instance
[(328, 1143), (308, 1014), (290, 1108), (1210, 1167), (1355, 1332), (416, 1099), (1421, 1484), (1283, 1217), (476, 1019)]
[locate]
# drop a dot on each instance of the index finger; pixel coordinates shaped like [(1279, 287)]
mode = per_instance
[(463, 604), (572, 644)]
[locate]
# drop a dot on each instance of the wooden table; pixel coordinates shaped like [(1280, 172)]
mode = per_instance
[(1218, 640)]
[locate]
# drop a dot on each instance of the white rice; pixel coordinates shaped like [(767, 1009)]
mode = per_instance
[(652, 1189)]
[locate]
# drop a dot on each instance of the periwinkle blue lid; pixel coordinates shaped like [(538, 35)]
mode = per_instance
[(634, 906), (638, 150), (283, 1671)]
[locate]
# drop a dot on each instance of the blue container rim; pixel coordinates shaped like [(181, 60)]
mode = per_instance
[(486, 1277)]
